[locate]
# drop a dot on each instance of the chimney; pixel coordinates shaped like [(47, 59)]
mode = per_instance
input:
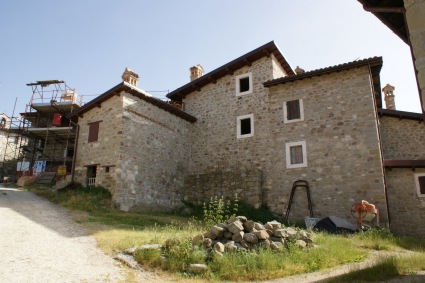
[(388, 91), (196, 72), (299, 70), (131, 77)]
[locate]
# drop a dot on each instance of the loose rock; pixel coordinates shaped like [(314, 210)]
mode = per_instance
[(250, 238), (128, 260), (219, 247), (198, 268), (197, 240), (235, 227)]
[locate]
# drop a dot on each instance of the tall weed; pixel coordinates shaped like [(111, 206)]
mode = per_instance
[(218, 210)]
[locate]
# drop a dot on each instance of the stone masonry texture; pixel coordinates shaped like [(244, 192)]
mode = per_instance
[(407, 209), (339, 128), (402, 139), (155, 156), (144, 148)]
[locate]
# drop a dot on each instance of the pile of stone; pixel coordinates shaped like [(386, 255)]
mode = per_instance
[(239, 233)]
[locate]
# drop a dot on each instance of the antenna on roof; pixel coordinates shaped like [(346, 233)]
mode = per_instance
[(357, 59)]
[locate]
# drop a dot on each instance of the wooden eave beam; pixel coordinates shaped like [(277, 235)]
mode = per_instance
[(214, 81), (384, 9), (268, 54), (196, 87), (246, 61), (229, 71)]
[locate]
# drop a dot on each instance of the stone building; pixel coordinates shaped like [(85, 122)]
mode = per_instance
[(252, 127), (8, 147), (403, 153), (135, 145), (4, 126)]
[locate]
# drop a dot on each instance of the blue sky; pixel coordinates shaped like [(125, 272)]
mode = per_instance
[(89, 43)]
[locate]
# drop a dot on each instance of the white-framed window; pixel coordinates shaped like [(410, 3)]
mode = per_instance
[(245, 126), (243, 84), (420, 184), (293, 111), (296, 154)]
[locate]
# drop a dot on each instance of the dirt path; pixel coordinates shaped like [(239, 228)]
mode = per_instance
[(40, 243)]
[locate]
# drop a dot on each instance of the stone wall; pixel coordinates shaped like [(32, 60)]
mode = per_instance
[(407, 209), (106, 151), (340, 131), (155, 157), (402, 139), (415, 11), (3, 142), (216, 106), (343, 151), (245, 185)]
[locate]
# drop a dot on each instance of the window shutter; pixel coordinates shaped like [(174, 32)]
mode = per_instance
[(93, 131), (421, 180), (296, 154), (293, 109)]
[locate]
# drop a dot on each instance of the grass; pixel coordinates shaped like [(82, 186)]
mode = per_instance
[(384, 269), (116, 231)]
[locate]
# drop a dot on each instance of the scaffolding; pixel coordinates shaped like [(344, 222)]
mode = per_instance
[(43, 138)]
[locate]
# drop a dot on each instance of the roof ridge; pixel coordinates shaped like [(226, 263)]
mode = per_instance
[(229, 68), (332, 68)]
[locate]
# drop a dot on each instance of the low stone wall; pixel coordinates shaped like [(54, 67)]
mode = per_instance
[(247, 185)]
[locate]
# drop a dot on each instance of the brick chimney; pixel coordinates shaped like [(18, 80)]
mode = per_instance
[(131, 77), (196, 72), (388, 91)]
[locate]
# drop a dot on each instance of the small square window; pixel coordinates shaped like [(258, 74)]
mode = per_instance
[(245, 126), (244, 84), (420, 184), (107, 169), (296, 154), (293, 111)]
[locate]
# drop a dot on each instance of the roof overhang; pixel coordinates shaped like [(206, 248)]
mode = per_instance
[(404, 164), (391, 13), (228, 69), (123, 86), (400, 114)]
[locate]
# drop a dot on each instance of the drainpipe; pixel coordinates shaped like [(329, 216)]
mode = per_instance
[(74, 158)]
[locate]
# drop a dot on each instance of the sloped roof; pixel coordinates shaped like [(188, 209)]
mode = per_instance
[(123, 86), (375, 64), (391, 13), (230, 68), (401, 114)]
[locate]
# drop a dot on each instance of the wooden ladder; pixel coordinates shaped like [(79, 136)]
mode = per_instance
[(296, 184)]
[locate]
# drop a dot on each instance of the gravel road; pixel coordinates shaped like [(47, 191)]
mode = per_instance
[(39, 242)]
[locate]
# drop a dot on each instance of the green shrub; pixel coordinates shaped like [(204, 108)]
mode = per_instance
[(218, 210)]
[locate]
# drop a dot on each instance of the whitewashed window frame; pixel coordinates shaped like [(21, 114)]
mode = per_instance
[(288, 146), (237, 82), (239, 129), (418, 188), (285, 112)]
